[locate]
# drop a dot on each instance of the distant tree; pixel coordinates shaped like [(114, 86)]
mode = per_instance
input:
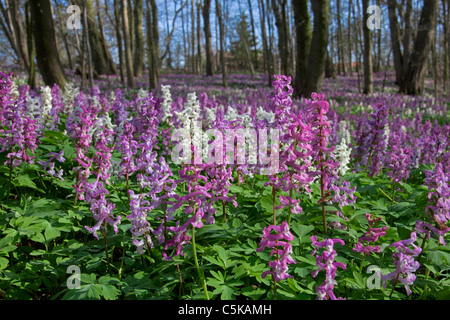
[(101, 56), (368, 62), (240, 47), (153, 44), (311, 45), (127, 42), (413, 80), (47, 56), (281, 21), (13, 26), (221, 40), (138, 38), (208, 38)]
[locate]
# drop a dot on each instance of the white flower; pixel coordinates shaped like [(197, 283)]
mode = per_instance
[(342, 152), (167, 103)]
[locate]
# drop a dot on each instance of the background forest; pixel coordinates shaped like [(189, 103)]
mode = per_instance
[(307, 40)]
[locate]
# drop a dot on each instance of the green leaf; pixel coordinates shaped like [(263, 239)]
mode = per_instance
[(51, 232), (213, 260), (301, 230), (359, 279), (223, 254), (3, 263), (24, 180)]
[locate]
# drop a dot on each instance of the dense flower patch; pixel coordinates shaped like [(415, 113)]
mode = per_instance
[(180, 194)]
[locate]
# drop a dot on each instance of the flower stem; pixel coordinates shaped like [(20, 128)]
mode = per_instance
[(199, 272), (322, 191), (362, 262)]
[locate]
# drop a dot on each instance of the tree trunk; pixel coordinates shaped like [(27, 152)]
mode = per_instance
[(199, 39), (252, 23), (303, 44), (368, 64), (412, 83), (349, 39), (13, 28), (446, 14), (138, 39), (119, 26), (208, 39), (193, 59), (279, 9), (395, 41), (268, 56), (101, 57), (128, 55), (340, 40), (32, 82), (311, 46), (221, 35), (88, 45), (44, 40), (153, 43)]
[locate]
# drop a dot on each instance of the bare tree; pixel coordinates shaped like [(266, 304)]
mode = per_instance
[(153, 43), (12, 25), (222, 55), (368, 63), (412, 83), (311, 45), (138, 38), (208, 38), (281, 21), (128, 55), (44, 41)]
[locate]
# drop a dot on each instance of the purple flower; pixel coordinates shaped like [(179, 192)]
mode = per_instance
[(139, 223), (281, 249), (404, 262), (325, 262), (100, 208), (426, 228), (371, 235)]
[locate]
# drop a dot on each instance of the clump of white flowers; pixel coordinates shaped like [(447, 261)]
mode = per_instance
[(191, 130), (342, 150), (261, 114), (166, 105)]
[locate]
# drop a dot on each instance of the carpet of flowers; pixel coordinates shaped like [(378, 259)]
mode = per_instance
[(358, 209)]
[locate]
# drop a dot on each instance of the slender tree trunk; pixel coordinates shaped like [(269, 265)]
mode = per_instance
[(279, 9), (303, 44), (128, 55), (44, 40), (88, 45), (368, 64), (119, 27), (252, 23), (208, 39), (31, 51), (199, 38), (340, 39), (193, 59), (349, 39), (412, 83), (101, 56), (268, 55), (395, 41), (407, 36), (64, 36), (138, 39), (311, 46), (153, 43), (446, 24), (13, 26), (222, 55)]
